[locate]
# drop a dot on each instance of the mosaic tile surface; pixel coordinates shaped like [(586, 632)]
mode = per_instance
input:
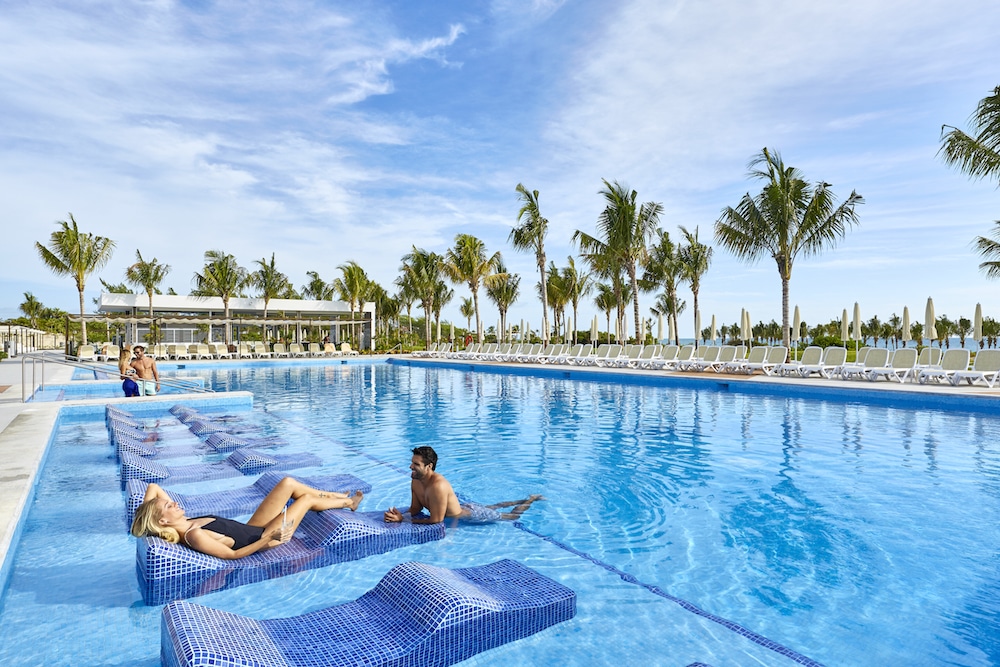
[(417, 616), (173, 572)]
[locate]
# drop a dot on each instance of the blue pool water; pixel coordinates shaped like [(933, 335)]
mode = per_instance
[(852, 534)]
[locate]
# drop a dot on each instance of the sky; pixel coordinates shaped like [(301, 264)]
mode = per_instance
[(324, 132)]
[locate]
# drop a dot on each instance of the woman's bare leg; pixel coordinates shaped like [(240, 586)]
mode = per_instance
[(297, 510), (287, 489)]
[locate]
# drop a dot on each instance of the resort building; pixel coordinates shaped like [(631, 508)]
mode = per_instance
[(195, 319)]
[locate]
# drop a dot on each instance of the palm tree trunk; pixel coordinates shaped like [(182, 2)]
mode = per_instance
[(545, 300), (576, 325), (608, 314), (475, 305), (83, 322), (427, 326), (785, 338), (697, 334), (635, 301)]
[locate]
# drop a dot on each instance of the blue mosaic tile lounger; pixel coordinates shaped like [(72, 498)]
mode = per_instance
[(240, 462), (173, 572), (152, 444), (417, 616), (234, 503)]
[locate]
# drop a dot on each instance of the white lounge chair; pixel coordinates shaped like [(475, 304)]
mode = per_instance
[(296, 350), (86, 353), (260, 350), (833, 359), (709, 356), (581, 358), (529, 354), (348, 351), (551, 352), (244, 350), (278, 350), (627, 357), (985, 369), (952, 362), (900, 367), (201, 351), (757, 356), (567, 352), (649, 352), (856, 365), (877, 357), (666, 359), (811, 356), (605, 354)]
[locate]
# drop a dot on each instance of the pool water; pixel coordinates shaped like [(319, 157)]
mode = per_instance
[(851, 534)]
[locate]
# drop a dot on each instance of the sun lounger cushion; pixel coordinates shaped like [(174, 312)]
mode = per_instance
[(172, 571), (418, 615), (240, 462), (226, 442), (234, 503)]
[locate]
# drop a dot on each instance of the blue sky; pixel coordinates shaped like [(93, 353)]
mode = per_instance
[(334, 131)]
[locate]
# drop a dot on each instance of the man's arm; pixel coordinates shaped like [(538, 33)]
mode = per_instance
[(393, 515)]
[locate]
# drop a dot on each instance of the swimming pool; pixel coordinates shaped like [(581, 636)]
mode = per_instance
[(854, 534)]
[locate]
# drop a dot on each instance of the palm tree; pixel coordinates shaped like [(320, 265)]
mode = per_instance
[(624, 228), (147, 275), (530, 236), (663, 268), (503, 292), (788, 218), (578, 285), (557, 296), (222, 277), (317, 289), (74, 253), (695, 258), (406, 297), (269, 281), (978, 155), (422, 270), (442, 297), (32, 308), (989, 248), (468, 263), (354, 287), (467, 309), (605, 300)]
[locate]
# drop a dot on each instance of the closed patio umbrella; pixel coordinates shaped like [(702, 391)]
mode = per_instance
[(796, 328), (593, 330), (930, 330), (670, 331), (749, 326), (844, 327), (744, 335), (856, 329), (522, 331), (906, 326), (451, 337), (977, 324), (714, 332)]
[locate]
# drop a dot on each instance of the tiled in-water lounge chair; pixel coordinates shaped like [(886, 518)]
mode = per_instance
[(234, 503), (240, 462), (418, 615), (173, 571)]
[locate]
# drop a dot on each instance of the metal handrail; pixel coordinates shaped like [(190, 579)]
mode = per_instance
[(36, 357)]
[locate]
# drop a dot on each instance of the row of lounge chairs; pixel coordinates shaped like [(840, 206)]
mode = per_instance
[(258, 350), (902, 365), (448, 615)]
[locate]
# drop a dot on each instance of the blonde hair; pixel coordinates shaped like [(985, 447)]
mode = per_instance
[(147, 523), (123, 358)]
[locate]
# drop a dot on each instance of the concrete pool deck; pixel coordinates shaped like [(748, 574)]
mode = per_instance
[(25, 428)]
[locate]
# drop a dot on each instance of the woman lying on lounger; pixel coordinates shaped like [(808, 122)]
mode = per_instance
[(270, 525)]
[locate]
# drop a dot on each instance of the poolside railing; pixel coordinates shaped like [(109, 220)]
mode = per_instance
[(39, 359)]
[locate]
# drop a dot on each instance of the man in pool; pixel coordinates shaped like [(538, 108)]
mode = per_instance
[(145, 368), (431, 491)]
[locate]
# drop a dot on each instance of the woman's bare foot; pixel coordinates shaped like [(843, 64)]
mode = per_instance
[(356, 500), (535, 497)]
